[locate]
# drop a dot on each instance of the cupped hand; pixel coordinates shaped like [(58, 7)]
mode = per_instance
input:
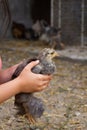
[(31, 82)]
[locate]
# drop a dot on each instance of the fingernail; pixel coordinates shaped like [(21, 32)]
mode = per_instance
[(37, 61)]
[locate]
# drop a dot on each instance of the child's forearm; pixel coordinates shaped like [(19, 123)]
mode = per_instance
[(5, 75), (9, 89)]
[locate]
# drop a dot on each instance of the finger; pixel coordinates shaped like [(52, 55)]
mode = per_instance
[(32, 64), (45, 86), (46, 77), (45, 83)]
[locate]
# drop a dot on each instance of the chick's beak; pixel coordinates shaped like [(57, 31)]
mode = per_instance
[(55, 54)]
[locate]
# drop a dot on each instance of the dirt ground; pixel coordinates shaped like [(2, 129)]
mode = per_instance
[(65, 99)]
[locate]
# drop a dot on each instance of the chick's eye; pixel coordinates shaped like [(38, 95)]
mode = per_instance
[(52, 53)]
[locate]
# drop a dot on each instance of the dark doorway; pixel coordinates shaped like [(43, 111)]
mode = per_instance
[(41, 10)]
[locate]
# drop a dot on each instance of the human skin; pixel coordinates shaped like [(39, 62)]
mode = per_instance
[(27, 81), (0, 63)]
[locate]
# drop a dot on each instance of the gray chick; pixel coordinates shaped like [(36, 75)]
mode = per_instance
[(27, 103)]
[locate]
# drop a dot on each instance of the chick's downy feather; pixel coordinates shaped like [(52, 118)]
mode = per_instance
[(28, 102)]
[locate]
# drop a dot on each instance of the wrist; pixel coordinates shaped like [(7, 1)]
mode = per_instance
[(19, 85)]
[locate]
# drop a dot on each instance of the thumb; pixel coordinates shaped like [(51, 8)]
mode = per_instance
[(32, 64)]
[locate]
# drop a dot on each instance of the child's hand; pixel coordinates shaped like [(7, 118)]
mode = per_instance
[(31, 82)]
